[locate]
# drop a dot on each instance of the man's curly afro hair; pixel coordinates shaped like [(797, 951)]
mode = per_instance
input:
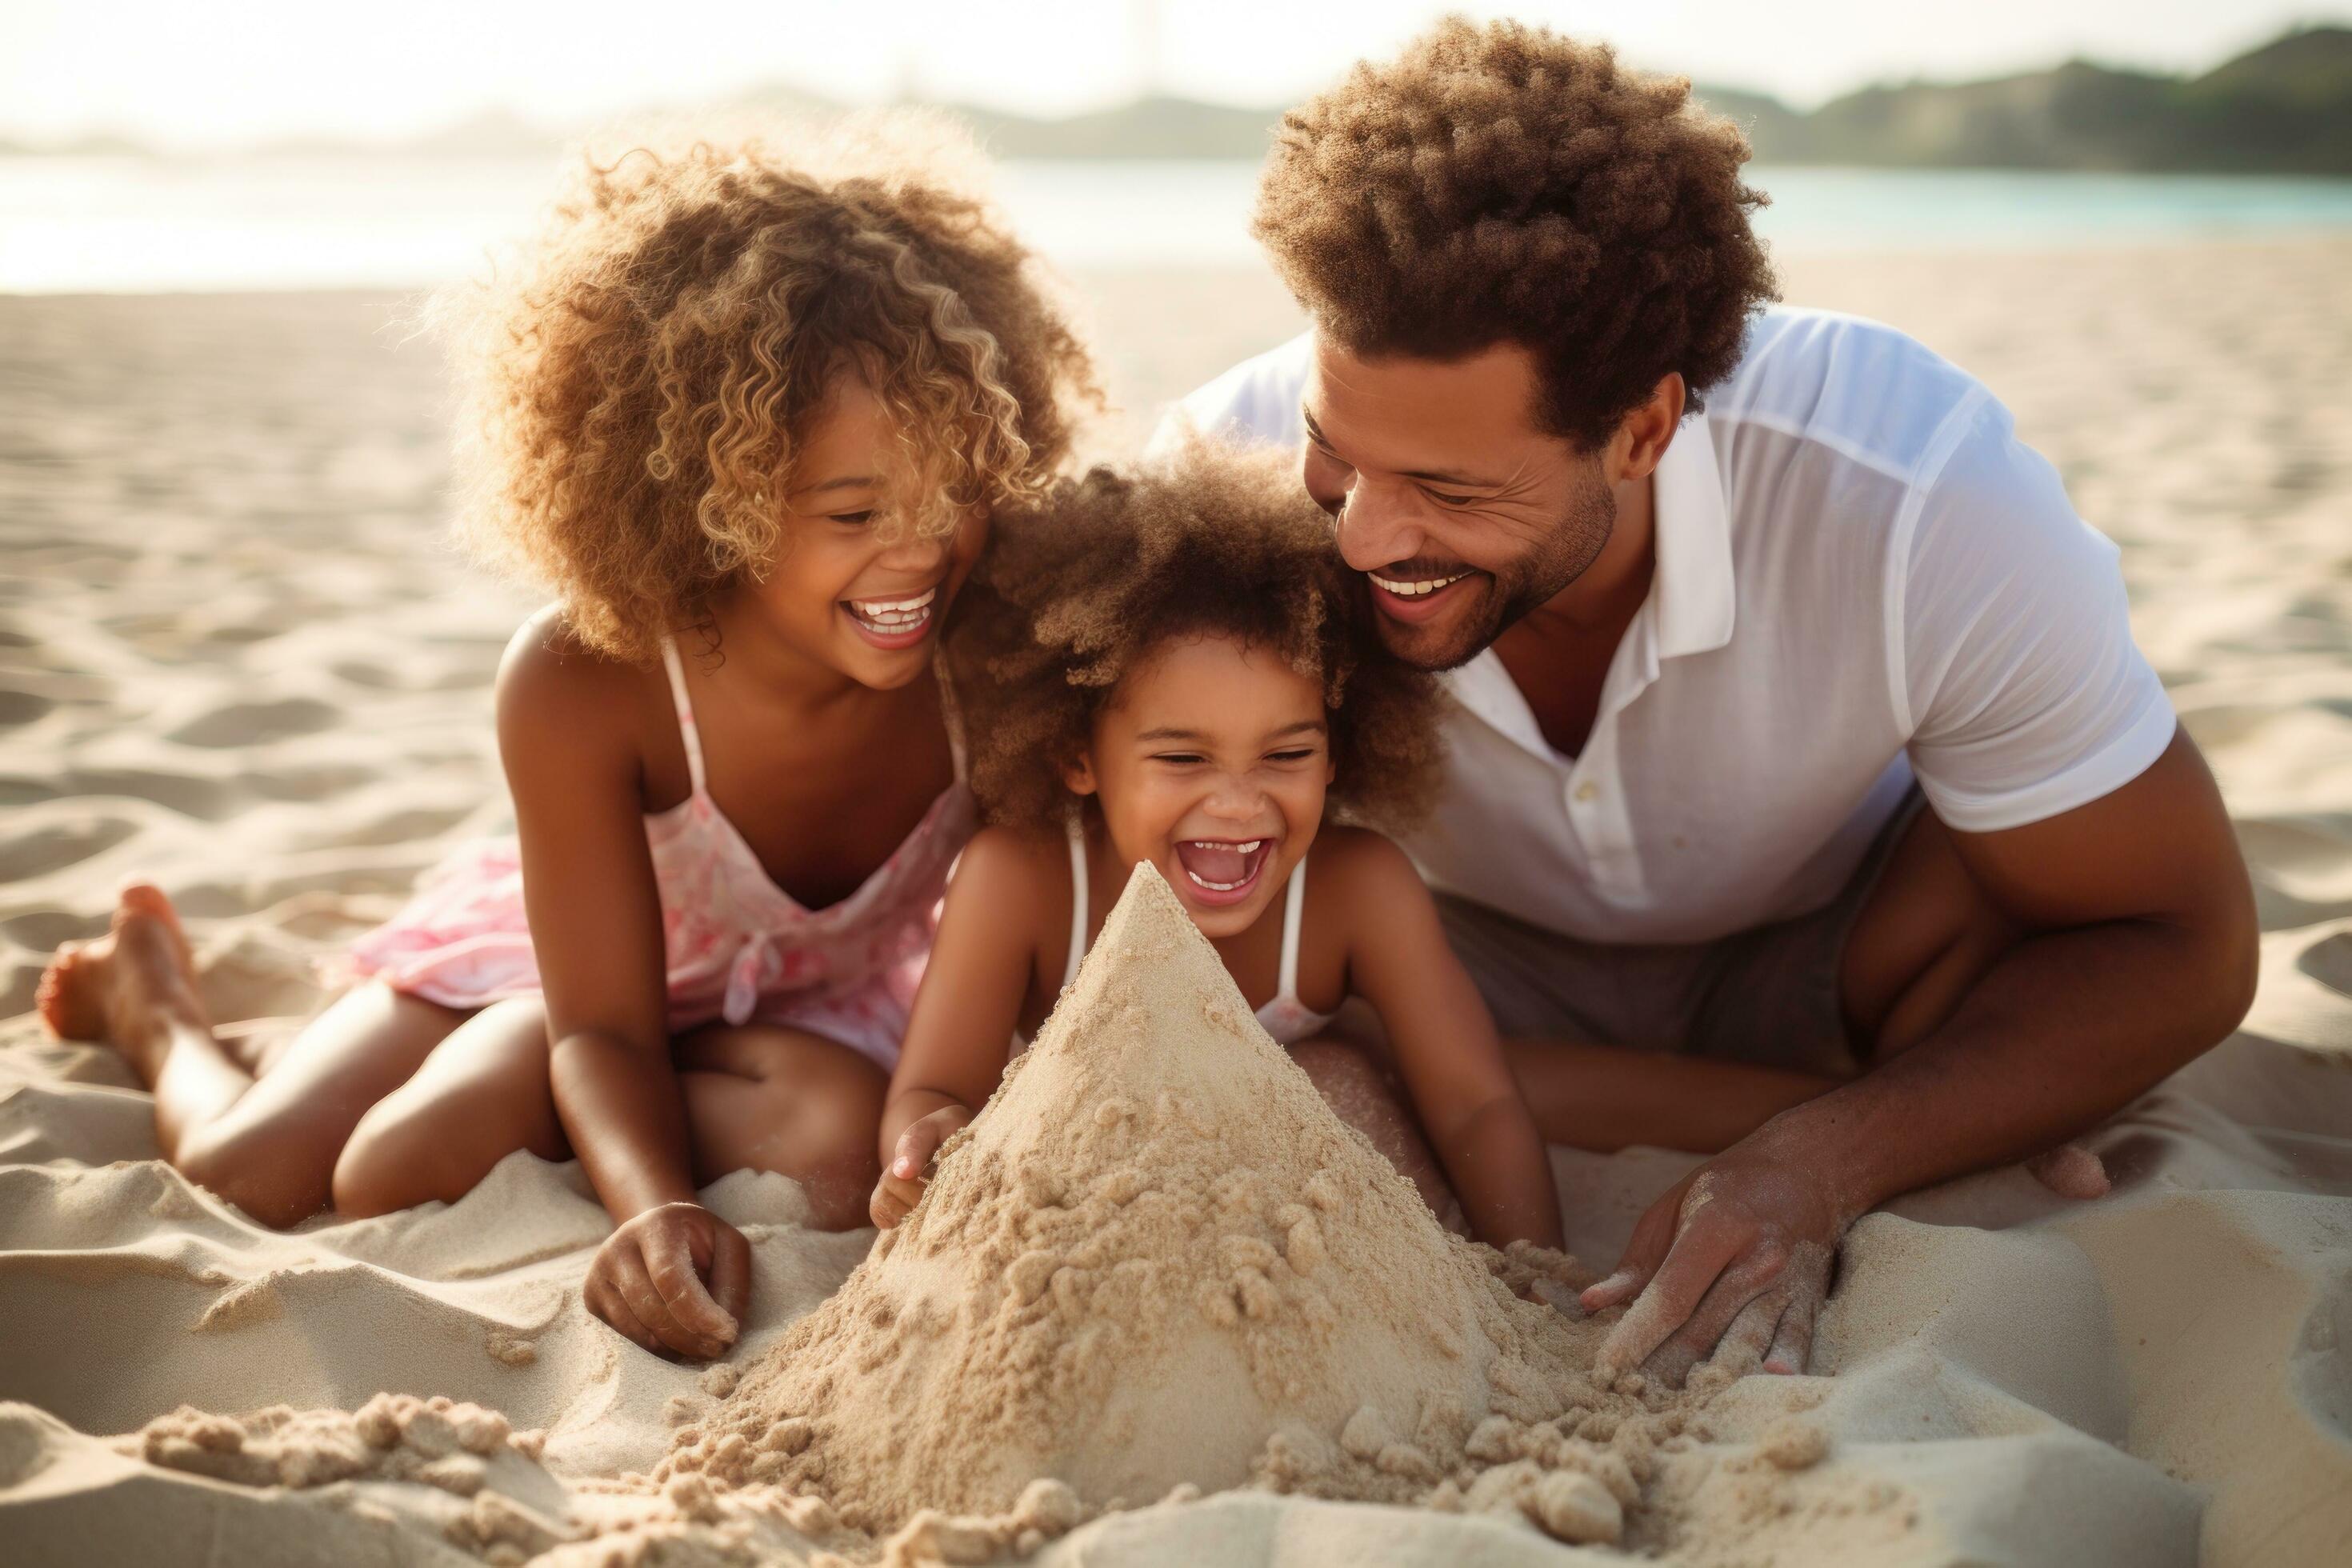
[(1079, 590), (1501, 184)]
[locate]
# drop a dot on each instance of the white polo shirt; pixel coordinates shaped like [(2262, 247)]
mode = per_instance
[(1862, 577)]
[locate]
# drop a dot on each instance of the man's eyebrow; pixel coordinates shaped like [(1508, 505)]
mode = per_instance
[(1427, 475), (1451, 476), (847, 482)]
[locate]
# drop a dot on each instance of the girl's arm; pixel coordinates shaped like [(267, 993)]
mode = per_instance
[(673, 1278), (1444, 1038), (960, 1034)]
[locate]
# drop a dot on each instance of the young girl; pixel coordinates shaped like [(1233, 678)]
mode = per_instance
[(1173, 668), (750, 417)]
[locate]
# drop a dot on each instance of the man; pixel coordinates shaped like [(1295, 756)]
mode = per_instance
[(1800, 722)]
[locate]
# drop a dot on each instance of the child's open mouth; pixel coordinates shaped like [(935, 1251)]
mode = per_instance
[(1222, 871), (892, 622)]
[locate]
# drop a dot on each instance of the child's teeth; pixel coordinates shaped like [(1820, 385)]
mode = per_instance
[(1213, 886), (887, 615)]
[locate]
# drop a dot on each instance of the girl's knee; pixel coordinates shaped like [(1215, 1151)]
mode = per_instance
[(815, 1123), (405, 1153), (377, 1171), (279, 1173)]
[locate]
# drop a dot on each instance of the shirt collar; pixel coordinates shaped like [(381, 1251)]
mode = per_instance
[(1697, 599), (1692, 597)]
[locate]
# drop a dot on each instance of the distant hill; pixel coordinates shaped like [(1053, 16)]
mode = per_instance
[(2285, 108)]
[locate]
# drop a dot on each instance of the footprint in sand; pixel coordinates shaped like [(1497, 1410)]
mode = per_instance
[(21, 708), (41, 850), (253, 724), (2329, 962)]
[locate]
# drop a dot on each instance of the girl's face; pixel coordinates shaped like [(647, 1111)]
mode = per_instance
[(839, 594), (1211, 760)]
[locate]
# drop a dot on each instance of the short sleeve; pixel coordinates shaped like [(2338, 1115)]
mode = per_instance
[(1254, 404), (2027, 697)]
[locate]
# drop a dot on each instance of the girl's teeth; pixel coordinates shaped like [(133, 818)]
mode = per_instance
[(889, 615), (1213, 886)]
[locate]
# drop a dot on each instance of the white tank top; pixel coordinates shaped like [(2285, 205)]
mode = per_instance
[(1286, 1018)]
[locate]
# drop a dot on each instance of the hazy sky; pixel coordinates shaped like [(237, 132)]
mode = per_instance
[(219, 74)]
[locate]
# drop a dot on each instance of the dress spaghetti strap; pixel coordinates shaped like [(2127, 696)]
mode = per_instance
[(686, 731), (951, 715), (1078, 900), (1294, 899)]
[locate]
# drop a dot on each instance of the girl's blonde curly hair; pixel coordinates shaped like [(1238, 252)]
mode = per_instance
[(1080, 589), (636, 384)]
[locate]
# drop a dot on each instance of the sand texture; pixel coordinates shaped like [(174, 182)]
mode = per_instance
[(235, 657)]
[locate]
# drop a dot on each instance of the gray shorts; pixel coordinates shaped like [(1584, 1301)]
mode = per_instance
[(1768, 995)]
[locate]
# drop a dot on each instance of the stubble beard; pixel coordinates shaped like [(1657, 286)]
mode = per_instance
[(1513, 591)]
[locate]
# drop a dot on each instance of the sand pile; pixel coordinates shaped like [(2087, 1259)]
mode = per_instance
[(1158, 1262)]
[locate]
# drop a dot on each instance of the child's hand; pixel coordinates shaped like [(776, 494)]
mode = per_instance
[(648, 1281), (902, 1184)]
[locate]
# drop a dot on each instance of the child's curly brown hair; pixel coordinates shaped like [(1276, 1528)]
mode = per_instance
[(636, 384), (1501, 184), (1080, 589)]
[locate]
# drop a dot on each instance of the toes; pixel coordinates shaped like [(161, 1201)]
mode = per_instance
[(145, 899), (2072, 1172)]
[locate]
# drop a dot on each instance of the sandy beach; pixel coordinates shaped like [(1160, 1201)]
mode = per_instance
[(237, 657)]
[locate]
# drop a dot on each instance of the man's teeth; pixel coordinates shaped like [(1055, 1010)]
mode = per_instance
[(1415, 590), (894, 615)]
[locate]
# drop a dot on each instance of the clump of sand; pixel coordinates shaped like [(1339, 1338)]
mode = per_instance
[(1159, 1263)]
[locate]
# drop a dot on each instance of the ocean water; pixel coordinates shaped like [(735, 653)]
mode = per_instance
[(140, 225)]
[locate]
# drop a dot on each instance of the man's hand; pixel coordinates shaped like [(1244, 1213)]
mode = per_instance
[(675, 1280), (1735, 1254), (901, 1186), (1734, 1262)]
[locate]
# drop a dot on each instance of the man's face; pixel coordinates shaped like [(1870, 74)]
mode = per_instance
[(1461, 513)]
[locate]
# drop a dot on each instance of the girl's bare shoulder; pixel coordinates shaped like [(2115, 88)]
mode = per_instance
[(1021, 869), (1356, 862), (555, 691)]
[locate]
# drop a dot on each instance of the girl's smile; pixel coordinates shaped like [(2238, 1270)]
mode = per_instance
[(894, 623)]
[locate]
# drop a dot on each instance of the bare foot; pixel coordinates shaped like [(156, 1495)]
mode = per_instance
[(128, 988), (2072, 1172)]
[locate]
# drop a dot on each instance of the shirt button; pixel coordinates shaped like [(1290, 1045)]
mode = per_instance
[(1588, 789)]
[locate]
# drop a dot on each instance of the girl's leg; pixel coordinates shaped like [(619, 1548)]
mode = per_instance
[(1360, 1095), (267, 1143), (480, 1096), (761, 1098)]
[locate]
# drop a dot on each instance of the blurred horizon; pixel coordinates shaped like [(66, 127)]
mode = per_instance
[(139, 75)]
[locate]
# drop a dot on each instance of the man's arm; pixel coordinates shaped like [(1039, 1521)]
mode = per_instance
[(2140, 955)]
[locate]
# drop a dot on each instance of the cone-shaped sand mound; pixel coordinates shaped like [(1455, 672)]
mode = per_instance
[(1156, 1259)]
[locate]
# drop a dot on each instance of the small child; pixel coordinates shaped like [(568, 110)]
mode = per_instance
[(751, 415), (1175, 670)]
